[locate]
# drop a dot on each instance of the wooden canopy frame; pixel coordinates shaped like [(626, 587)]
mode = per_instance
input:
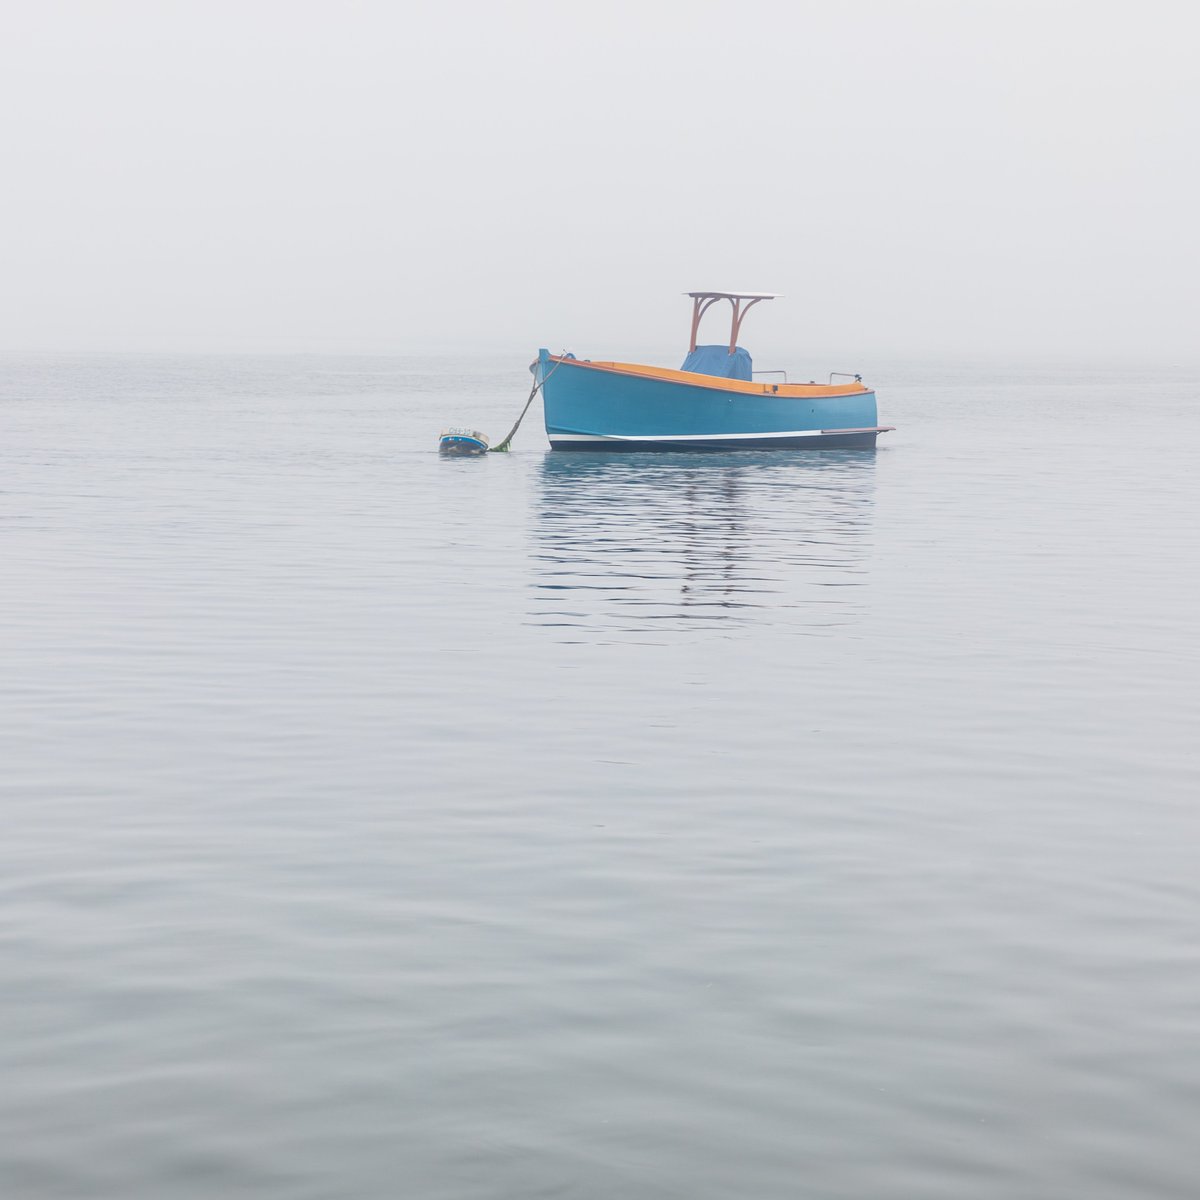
[(703, 301)]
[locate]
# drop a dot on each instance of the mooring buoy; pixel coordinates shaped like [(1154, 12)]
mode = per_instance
[(462, 442)]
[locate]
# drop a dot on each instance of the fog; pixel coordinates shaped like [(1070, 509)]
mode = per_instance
[(930, 179)]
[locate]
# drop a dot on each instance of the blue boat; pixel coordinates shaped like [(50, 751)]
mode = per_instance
[(715, 401)]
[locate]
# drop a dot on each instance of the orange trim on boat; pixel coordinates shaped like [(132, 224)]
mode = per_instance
[(694, 379)]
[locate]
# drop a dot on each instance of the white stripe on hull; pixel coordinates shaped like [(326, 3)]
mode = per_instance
[(675, 437), (702, 437)]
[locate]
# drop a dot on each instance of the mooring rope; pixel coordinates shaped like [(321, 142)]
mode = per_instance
[(503, 446)]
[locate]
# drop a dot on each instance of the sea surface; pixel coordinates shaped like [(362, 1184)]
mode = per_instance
[(787, 824)]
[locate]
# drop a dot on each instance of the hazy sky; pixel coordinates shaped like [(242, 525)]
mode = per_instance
[(917, 177)]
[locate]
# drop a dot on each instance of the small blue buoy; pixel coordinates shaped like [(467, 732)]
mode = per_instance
[(462, 442)]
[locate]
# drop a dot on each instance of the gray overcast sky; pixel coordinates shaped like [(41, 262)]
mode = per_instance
[(917, 177)]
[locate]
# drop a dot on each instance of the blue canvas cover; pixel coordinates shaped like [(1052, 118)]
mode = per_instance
[(716, 360)]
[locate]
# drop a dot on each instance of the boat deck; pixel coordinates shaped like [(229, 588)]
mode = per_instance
[(717, 382)]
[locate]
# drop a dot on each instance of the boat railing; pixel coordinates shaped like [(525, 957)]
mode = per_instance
[(845, 375), (783, 373)]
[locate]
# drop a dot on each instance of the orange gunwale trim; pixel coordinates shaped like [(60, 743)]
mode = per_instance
[(797, 391)]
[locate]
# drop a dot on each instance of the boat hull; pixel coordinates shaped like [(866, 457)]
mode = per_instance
[(625, 407)]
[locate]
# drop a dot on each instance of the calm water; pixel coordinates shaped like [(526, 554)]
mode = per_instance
[(560, 826)]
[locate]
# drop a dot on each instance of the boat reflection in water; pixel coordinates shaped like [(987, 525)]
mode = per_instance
[(642, 543)]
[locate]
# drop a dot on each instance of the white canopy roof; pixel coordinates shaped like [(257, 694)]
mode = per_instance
[(733, 295)]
